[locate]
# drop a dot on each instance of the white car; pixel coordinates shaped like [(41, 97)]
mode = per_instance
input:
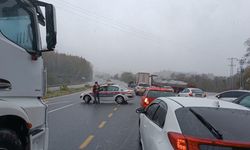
[(231, 95), (185, 123), (110, 93), (192, 92)]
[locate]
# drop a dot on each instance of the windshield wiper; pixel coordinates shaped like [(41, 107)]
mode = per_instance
[(215, 132)]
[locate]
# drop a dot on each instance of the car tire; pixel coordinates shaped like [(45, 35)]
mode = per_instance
[(9, 140), (87, 99), (120, 100)]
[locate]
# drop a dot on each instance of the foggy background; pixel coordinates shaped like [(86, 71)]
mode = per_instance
[(152, 35)]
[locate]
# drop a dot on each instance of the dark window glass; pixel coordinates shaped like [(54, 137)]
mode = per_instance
[(151, 110), (233, 124), (16, 24), (103, 88), (197, 91), (232, 94), (155, 94), (113, 88), (245, 101), (144, 85), (185, 91), (160, 116)]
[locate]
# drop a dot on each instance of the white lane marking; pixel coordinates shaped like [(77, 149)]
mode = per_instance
[(60, 102), (62, 107)]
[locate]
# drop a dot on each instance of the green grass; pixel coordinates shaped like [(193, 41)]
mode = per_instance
[(64, 90)]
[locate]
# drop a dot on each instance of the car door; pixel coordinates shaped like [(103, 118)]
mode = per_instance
[(155, 139), (112, 91), (145, 122), (103, 92)]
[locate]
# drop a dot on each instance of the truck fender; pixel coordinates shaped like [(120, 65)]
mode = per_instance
[(10, 109)]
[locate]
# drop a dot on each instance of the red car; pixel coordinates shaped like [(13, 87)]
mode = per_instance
[(154, 92)]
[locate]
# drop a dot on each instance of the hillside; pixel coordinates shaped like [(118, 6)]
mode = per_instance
[(66, 69)]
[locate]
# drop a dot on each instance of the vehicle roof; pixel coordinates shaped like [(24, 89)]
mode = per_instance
[(202, 102), (110, 85), (194, 88), (158, 89), (236, 90), (142, 83)]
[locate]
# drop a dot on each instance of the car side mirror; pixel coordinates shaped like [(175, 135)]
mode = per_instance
[(140, 110), (218, 96)]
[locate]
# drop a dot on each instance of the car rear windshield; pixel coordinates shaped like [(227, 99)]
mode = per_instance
[(155, 94), (197, 91), (144, 85), (233, 124)]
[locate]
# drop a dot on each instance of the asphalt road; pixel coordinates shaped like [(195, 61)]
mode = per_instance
[(74, 125)]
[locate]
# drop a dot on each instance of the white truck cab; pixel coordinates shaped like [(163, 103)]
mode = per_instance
[(23, 115)]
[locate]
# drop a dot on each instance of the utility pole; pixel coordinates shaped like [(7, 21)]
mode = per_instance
[(232, 65), (241, 62)]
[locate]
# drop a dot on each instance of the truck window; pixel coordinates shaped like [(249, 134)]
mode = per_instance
[(16, 24)]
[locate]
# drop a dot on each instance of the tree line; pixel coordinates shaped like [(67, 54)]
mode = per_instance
[(203, 81), (66, 69)]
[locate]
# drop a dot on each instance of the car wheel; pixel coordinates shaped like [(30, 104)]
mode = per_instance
[(119, 100), (87, 99), (9, 140)]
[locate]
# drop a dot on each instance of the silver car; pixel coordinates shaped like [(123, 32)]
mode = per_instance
[(192, 92)]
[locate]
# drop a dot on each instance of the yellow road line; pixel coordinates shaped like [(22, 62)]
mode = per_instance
[(86, 142), (115, 109), (110, 115), (102, 124)]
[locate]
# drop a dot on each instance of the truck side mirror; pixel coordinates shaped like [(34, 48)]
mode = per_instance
[(51, 28)]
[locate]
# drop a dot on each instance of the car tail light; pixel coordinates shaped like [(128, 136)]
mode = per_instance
[(146, 101), (178, 141), (183, 142), (190, 94)]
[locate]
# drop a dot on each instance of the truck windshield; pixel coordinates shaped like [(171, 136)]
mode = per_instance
[(16, 24)]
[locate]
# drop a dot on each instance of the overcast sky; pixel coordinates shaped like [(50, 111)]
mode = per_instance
[(153, 35)]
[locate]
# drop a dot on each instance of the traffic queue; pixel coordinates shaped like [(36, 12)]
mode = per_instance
[(191, 119), (194, 120)]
